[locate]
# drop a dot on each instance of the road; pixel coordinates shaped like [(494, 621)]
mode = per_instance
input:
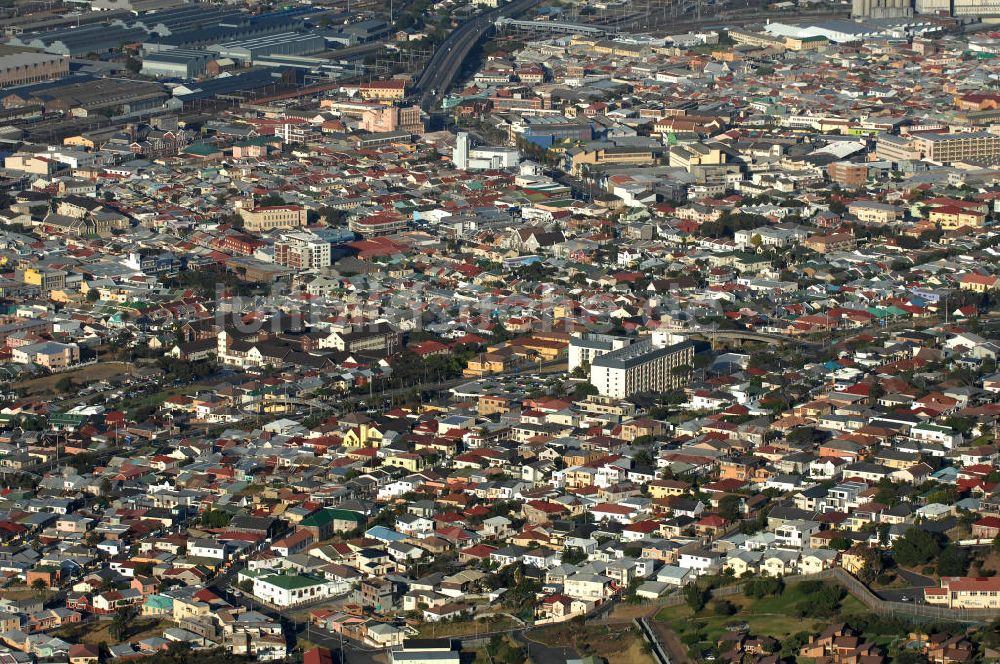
[(914, 590), (449, 58)]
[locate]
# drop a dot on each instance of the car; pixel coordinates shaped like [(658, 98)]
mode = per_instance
[(905, 598)]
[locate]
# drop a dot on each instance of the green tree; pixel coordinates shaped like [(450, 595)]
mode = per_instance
[(953, 561), (695, 597), (916, 547)]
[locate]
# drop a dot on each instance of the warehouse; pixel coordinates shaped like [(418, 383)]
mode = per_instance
[(23, 68), (80, 41), (287, 43), (176, 63)]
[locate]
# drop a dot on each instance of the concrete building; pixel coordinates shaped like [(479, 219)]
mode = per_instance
[(302, 250), (48, 354), (586, 348), (848, 174), (947, 148), (644, 366), (273, 217), (468, 158)]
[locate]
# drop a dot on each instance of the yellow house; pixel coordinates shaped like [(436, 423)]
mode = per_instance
[(411, 462), (487, 363), (189, 608), (853, 560), (740, 565), (667, 488), (363, 435)]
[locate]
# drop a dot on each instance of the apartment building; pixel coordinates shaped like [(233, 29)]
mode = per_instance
[(642, 367), (585, 348), (302, 250), (946, 148)]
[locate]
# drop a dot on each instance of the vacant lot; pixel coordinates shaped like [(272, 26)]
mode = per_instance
[(619, 644), (95, 632), (45, 386), (465, 627)]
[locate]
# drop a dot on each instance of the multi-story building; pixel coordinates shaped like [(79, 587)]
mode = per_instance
[(302, 250), (377, 225), (642, 367), (947, 148), (273, 217), (584, 349), (392, 118), (848, 174)]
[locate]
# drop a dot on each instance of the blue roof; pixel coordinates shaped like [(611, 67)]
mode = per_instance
[(384, 534)]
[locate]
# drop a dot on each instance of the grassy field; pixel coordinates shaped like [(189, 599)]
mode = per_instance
[(770, 616), (96, 632)]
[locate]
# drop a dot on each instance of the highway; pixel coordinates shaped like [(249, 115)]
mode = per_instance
[(450, 56)]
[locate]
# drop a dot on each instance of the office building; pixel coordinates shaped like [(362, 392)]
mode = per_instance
[(391, 119), (648, 365)]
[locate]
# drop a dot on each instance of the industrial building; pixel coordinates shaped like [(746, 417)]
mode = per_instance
[(247, 51), (80, 41), (881, 8), (176, 63), (241, 28), (23, 68)]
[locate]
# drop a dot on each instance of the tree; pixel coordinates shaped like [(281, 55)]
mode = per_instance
[(953, 561), (695, 597), (39, 586), (764, 586), (64, 384), (916, 547), (120, 624), (729, 507)]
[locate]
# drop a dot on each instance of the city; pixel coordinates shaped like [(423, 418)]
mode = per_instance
[(500, 331)]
